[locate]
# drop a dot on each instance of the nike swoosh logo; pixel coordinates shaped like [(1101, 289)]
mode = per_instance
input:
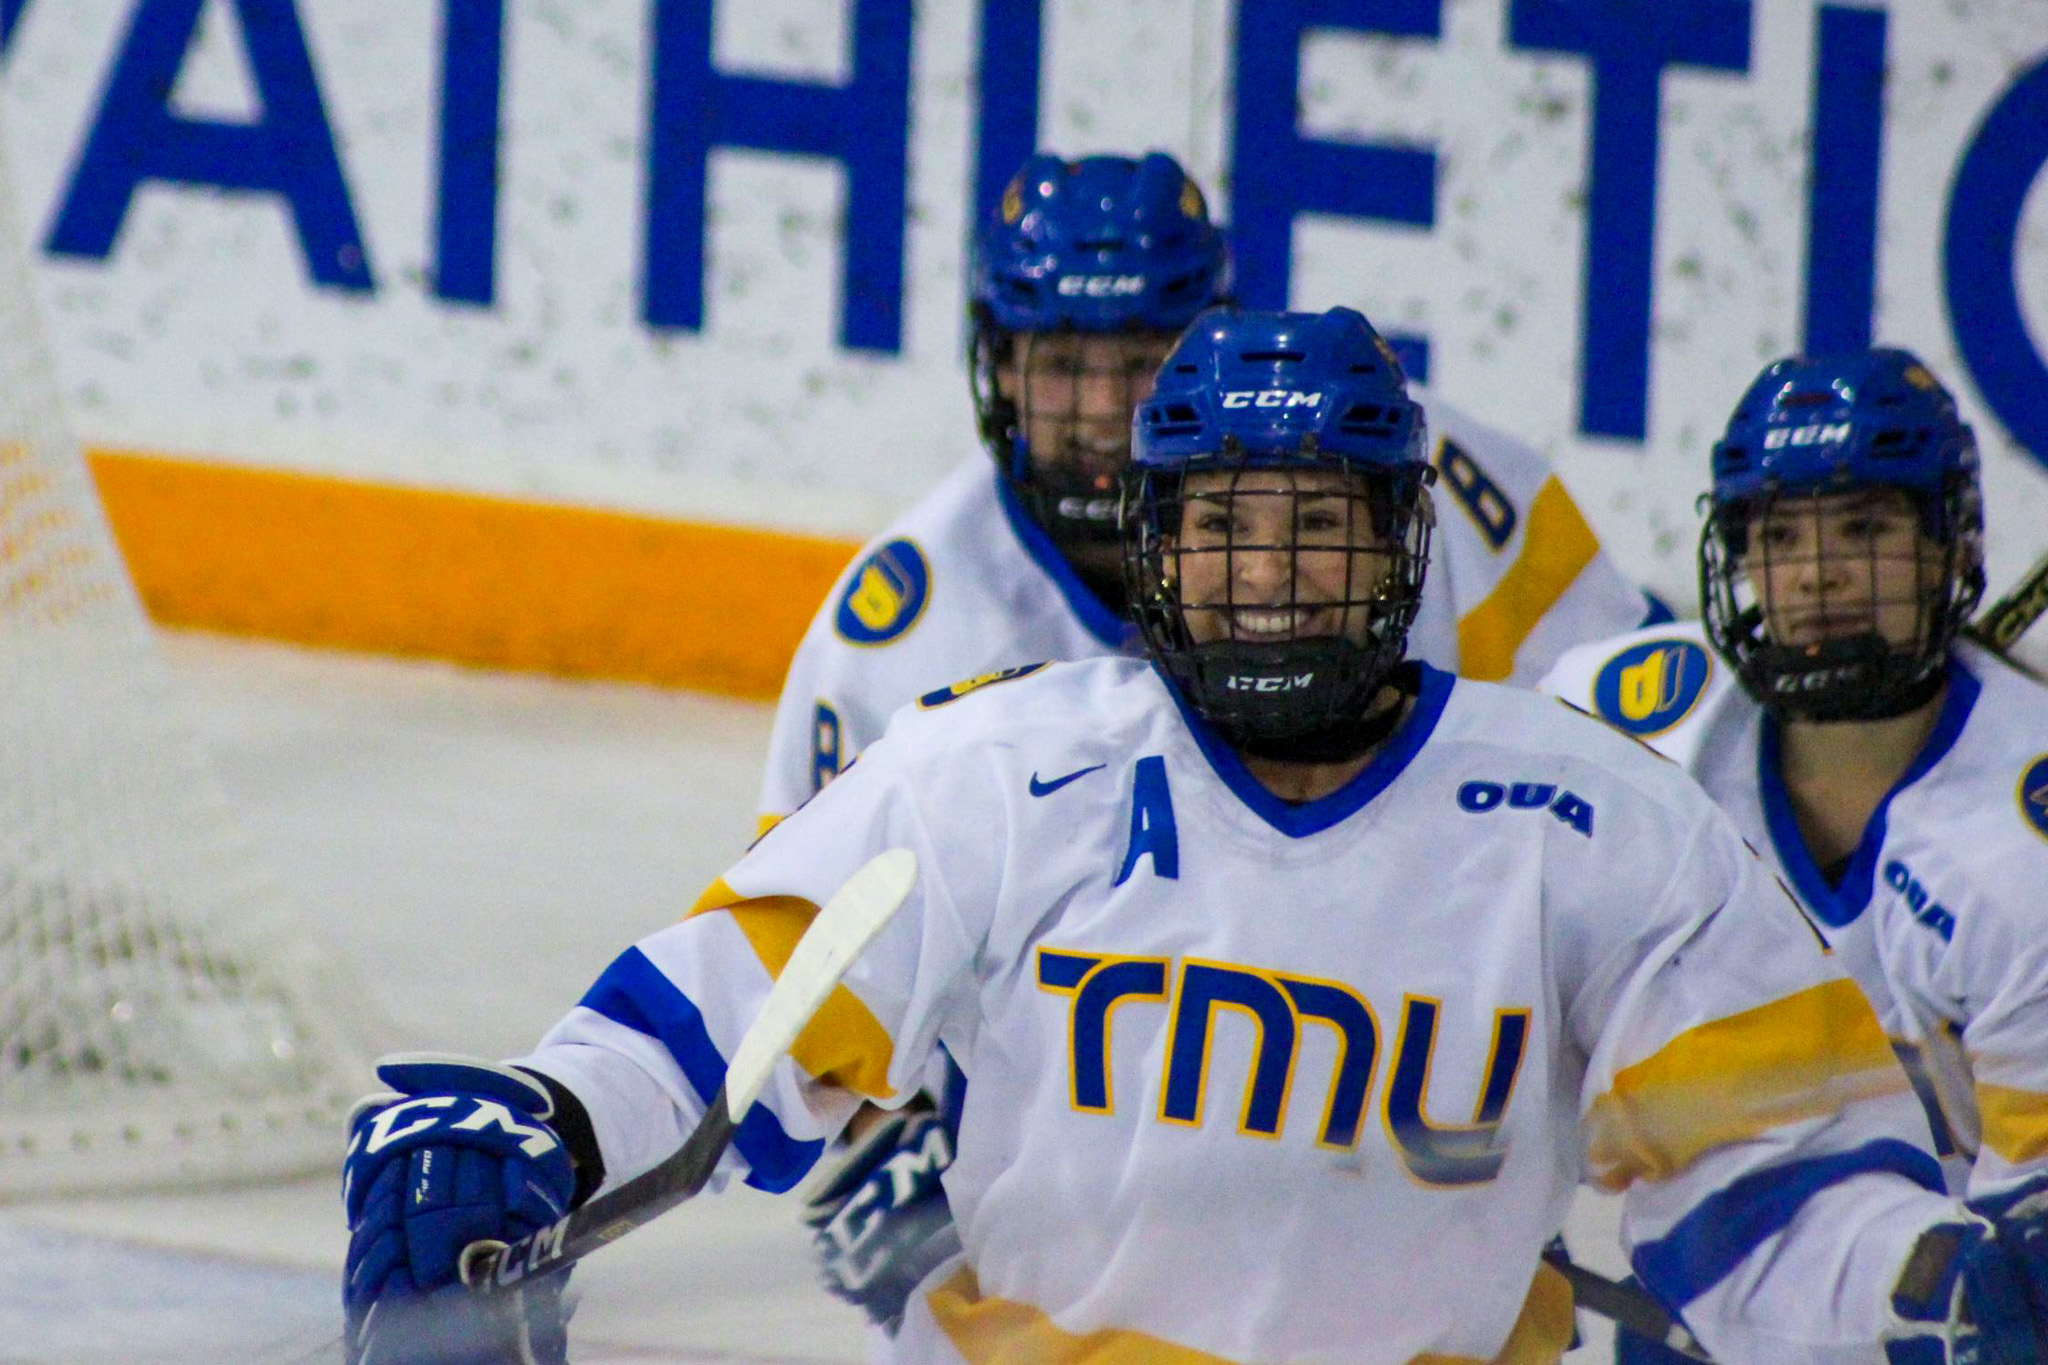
[(1048, 788)]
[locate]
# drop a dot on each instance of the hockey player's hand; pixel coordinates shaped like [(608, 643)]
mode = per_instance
[(461, 1153), (1980, 1287), (881, 1223)]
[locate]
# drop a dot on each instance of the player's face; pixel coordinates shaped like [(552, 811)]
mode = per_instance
[(1075, 393), (1843, 564), (1267, 555)]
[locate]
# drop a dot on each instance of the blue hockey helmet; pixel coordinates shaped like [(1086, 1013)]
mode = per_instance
[(1102, 247), (1279, 435), (1099, 244), (1806, 431)]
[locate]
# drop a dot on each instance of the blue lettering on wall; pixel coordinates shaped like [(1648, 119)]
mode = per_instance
[(1841, 206), (864, 125), (2004, 158), (1627, 43), (10, 15), (288, 151), (1279, 174), (464, 266), (1012, 48)]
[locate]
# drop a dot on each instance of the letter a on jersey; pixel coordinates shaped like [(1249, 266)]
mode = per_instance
[(1152, 829)]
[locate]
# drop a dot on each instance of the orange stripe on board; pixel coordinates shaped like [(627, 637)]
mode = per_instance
[(485, 581)]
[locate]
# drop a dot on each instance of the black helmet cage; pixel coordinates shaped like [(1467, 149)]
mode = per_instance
[(1282, 694), (1862, 676), (1070, 488)]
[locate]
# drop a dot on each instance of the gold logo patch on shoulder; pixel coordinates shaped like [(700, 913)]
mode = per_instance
[(1650, 687), (2033, 795), (886, 596)]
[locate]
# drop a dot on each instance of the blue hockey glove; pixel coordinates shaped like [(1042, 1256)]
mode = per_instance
[(463, 1152), (1978, 1289), (881, 1223)]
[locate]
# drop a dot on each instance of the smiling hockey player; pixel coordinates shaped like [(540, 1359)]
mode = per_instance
[(1081, 282), (1896, 775), (1296, 984)]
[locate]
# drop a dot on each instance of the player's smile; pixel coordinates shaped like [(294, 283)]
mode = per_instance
[(1281, 623)]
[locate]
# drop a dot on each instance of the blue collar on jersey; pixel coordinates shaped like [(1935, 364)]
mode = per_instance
[(1115, 633), (1839, 905), (1312, 817)]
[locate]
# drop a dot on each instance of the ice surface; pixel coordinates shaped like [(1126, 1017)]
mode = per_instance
[(479, 846)]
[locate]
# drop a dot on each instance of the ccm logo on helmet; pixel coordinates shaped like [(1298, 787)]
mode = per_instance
[(1101, 286), (1270, 398), (1267, 682), (1813, 434)]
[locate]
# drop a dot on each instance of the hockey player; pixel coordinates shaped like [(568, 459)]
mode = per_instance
[(1437, 946), (1081, 281), (1894, 775)]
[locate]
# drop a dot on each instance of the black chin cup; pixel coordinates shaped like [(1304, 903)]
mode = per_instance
[(1073, 513), (1856, 678), (1258, 695)]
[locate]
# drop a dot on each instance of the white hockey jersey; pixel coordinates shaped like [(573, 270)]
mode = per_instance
[(1513, 949), (965, 584), (1942, 915)]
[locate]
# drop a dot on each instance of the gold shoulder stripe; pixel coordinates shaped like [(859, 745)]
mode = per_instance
[(844, 1044), (1731, 1079), (1557, 545), (2015, 1122)]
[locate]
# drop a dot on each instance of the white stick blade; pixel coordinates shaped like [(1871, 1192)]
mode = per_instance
[(840, 933)]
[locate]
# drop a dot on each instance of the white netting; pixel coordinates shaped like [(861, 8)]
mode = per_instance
[(161, 1015)]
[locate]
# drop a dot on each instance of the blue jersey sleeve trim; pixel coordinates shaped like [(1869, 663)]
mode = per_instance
[(1312, 817), (633, 992), (1840, 905), (1710, 1241), (1659, 613), (1115, 634)]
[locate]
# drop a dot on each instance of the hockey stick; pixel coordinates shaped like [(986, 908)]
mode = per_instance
[(1627, 1306), (2004, 621), (841, 931)]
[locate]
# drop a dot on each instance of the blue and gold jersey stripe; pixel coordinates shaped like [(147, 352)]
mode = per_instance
[(844, 1044), (2015, 1122), (1556, 548), (1733, 1078)]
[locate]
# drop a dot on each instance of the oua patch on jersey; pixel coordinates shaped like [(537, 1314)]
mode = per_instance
[(1651, 686), (2033, 795), (886, 596)]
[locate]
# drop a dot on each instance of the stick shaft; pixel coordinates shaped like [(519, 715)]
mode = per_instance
[(1629, 1307), (837, 935), (490, 1266), (2005, 620)]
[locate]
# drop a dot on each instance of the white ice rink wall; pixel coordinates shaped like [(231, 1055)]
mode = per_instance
[(700, 261)]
